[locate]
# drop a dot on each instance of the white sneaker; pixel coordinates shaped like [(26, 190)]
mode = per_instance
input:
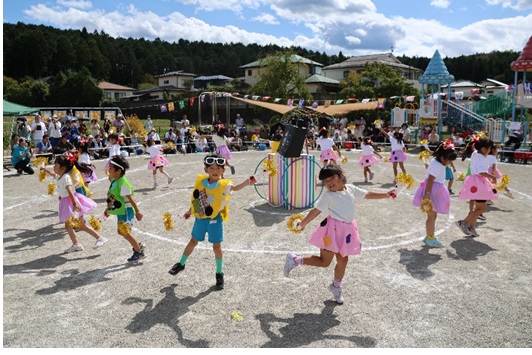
[(509, 194), (74, 248), (337, 293), (170, 179), (99, 242), (371, 175), (289, 264)]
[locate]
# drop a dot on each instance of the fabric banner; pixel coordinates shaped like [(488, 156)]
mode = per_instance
[(181, 104), (266, 98), (82, 114), (255, 97), (411, 98), (95, 115), (290, 102), (163, 107), (277, 99), (380, 102), (327, 103), (314, 104), (170, 106), (301, 103), (109, 115), (191, 100), (338, 102), (46, 115)]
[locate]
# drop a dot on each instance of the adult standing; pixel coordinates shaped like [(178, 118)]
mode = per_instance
[(106, 125), (239, 122), (23, 129), (54, 131), (185, 120), (95, 127), (21, 156), (406, 133), (148, 125), (38, 129), (434, 139)]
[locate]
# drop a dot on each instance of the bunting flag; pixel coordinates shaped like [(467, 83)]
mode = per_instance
[(109, 115), (380, 102), (338, 102), (301, 103), (191, 101), (290, 102), (475, 92), (170, 106), (246, 96), (365, 101), (410, 98), (277, 99), (95, 115), (181, 104), (327, 103), (82, 114), (255, 97), (315, 104), (266, 98), (163, 107)]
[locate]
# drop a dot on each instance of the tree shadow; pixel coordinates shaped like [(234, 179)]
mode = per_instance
[(304, 329), (417, 262), (166, 312), (266, 215), (75, 279), (32, 238), (46, 214), (43, 266), (468, 249)]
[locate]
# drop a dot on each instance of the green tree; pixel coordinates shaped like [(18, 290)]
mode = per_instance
[(75, 88), (280, 77), (28, 92)]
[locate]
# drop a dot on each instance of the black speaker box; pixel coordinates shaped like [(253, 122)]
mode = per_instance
[(292, 141)]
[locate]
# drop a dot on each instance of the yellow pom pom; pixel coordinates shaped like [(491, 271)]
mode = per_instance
[(168, 221), (424, 155), (95, 223), (170, 145), (406, 180), (505, 180), (236, 316), (74, 222), (51, 188), (40, 162), (461, 177), (270, 167), (123, 228), (344, 160), (42, 176), (385, 159), (424, 142), (293, 221), (377, 122), (426, 206)]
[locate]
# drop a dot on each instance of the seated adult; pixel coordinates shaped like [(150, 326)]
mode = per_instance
[(63, 146), (21, 156), (44, 148)]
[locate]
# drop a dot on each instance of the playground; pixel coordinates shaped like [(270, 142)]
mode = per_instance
[(474, 293)]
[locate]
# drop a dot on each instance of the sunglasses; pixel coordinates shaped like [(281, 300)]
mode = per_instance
[(212, 160)]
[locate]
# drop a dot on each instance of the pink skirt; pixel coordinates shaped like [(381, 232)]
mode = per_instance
[(66, 208), (89, 176), (439, 196), (497, 173), (397, 156), (368, 160), (328, 155), (477, 187), (157, 162), (224, 152), (337, 236)]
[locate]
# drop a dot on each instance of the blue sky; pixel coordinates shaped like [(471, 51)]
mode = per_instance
[(355, 27)]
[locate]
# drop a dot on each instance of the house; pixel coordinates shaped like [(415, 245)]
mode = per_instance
[(114, 92), (202, 82), (306, 68), (357, 64), (468, 89), (493, 87), (320, 85), (169, 85)]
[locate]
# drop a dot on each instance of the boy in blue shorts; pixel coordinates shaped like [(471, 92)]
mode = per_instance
[(120, 202), (209, 204)]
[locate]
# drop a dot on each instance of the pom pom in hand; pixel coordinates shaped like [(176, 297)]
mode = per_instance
[(51, 188), (42, 176), (426, 206), (74, 222), (168, 221), (293, 222), (461, 177), (424, 156), (505, 180), (95, 223), (40, 162), (406, 180), (270, 167), (385, 159), (344, 160), (123, 228)]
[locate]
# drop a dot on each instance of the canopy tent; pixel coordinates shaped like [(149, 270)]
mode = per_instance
[(282, 109), (12, 109), (343, 109)]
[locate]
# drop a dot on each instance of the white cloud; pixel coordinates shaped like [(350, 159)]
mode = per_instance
[(514, 4), (266, 18), (213, 5), (440, 3), (78, 4)]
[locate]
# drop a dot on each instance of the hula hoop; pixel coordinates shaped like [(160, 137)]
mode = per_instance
[(285, 195), (257, 190)]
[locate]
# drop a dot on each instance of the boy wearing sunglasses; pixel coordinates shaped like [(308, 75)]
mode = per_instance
[(209, 204)]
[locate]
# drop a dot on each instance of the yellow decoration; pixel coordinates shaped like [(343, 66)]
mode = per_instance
[(42, 176), (40, 161), (377, 122), (481, 135), (123, 228), (426, 206), (461, 177), (168, 221), (74, 222), (505, 180), (270, 168), (424, 155), (424, 142), (170, 145), (236, 316), (293, 221), (134, 125), (385, 159), (51, 188), (344, 160), (327, 241), (406, 180), (95, 223)]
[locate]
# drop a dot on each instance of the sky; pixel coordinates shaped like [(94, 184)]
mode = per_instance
[(354, 27)]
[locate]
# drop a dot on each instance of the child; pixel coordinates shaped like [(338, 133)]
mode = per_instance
[(449, 176), (433, 188), (327, 147), (157, 161), (84, 165), (209, 204), (492, 157), (368, 159), (121, 203), (220, 140), (398, 155), (337, 235), (114, 150), (72, 203), (477, 186)]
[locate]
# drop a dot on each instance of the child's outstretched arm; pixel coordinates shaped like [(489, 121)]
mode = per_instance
[(311, 215), (138, 214), (374, 195), (250, 181)]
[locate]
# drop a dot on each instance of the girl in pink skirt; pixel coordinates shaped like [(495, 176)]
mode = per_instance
[(327, 147), (337, 235), (398, 156), (434, 189), (72, 203), (478, 186), (368, 158), (492, 157), (157, 161), (87, 170)]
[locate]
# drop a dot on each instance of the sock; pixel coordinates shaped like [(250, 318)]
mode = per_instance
[(183, 259), (430, 237), (337, 282), (166, 174), (219, 265), (298, 260), (155, 178)]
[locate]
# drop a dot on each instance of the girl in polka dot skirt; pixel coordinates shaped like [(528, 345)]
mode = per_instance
[(478, 186), (368, 158), (157, 161)]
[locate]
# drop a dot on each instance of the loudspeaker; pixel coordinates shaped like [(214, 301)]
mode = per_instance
[(292, 141)]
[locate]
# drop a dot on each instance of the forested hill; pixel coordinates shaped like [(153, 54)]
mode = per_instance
[(41, 51)]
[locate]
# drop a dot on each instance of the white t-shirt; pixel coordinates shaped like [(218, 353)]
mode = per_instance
[(39, 129), (395, 143), (219, 141), (84, 159), (154, 150), (492, 160), (239, 122), (341, 205), (437, 170), (62, 183), (325, 143), (114, 150), (54, 129), (479, 163), (367, 149)]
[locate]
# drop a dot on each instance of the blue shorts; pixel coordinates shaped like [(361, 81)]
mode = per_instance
[(127, 217), (214, 227)]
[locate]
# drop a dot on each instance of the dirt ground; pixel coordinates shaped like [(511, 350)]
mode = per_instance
[(474, 293)]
